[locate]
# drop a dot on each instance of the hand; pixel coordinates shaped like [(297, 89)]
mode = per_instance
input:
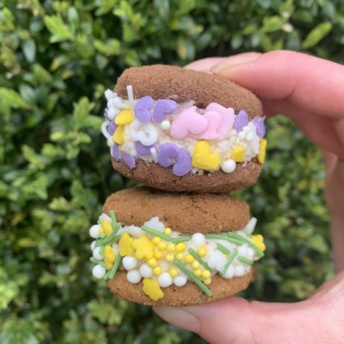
[(308, 90)]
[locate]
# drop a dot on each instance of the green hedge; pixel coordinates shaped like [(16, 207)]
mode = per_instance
[(57, 58)]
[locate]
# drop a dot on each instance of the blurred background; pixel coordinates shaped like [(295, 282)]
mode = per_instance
[(56, 60)]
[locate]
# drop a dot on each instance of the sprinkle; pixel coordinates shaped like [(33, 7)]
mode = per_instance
[(124, 117), (246, 241), (163, 107), (206, 274), (152, 262), (152, 289), (171, 248), (229, 261), (98, 271), (189, 258), (223, 249), (157, 271), (228, 166), (238, 154), (156, 240), (142, 109), (180, 256), (165, 280), (143, 150), (107, 228), (129, 160), (169, 257), (207, 281), (109, 256), (115, 227), (180, 247), (126, 245), (195, 255), (173, 272), (223, 237), (195, 265), (203, 251), (179, 281), (165, 125), (143, 248), (203, 158), (260, 127), (167, 231), (245, 260), (112, 238), (193, 278), (162, 246), (130, 95), (258, 240), (97, 261), (240, 121), (134, 276), (112, 272), (198, 272), (163, 236), (158, 254), (262, 151)]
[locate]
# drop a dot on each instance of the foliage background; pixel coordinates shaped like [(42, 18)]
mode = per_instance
[(57, 58)]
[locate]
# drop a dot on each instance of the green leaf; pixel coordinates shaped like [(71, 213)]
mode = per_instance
[(316, 35), (58, 29), (271, 24), (29, 49)]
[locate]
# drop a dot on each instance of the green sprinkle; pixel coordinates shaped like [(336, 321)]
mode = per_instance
[(223, 237), (193, 278), (199, 259), (223, 249), (229, 261), (246, 241), (102, 236), (99, 223), (114, 223), (245, 260), (111, 274), (102, 248), (164, 236), (96, 261), (112, 238)]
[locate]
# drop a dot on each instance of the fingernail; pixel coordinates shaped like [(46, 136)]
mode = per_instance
[(234, 61), (179, 317)]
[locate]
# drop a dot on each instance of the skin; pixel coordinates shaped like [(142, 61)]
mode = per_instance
[(309, 91)]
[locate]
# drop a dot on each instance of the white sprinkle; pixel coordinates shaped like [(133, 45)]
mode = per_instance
[(246, 128), (165, 280), (108, 94), (198, 239), (228, 166), (239, 271), (97, 254), (130, 95), (229, 273), (146, 271), (242, 251), (165, 125), (154, 223), (94, 231), (112, 113), (154, 153), (98, 271), (133, 153), (92, 245), (249, 137), (179, 281), (129, 263), (249, 228), (104, 129), (134, 276), (241, 135)]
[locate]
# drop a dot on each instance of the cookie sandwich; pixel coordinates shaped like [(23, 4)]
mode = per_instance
[(158, 248), (181, 130)]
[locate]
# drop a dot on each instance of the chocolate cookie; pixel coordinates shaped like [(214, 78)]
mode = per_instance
[(182, 130), (159, 248)]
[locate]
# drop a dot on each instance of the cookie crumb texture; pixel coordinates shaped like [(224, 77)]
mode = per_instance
[(187, 295)]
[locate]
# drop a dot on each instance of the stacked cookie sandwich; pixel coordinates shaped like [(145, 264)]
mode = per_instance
[(190, 137)]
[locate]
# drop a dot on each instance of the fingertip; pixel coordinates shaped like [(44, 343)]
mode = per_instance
[(204, 65)]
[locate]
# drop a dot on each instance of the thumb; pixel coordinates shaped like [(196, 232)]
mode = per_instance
[(235, 320)]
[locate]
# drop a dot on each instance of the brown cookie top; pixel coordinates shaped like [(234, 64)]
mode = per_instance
[(182, 212), (181, 85), (189, 294)]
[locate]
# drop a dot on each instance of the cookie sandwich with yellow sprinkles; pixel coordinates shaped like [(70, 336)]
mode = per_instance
[(159, 248)]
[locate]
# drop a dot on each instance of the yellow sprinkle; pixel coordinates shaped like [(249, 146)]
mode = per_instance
[(202, 251), (118, 136), (167, 231), (101, 230), (106, 225), (180, 256), (157, 271), (158, 254), (198, 272), (207, 281), (262, 151), (173, 272), (109, 257), (169, 257), (162, 246), (156, 240), (195, 264), (171, 248), (258, 240), (189, 259), (238, 154), (152, 262), (203, 158), (124, 117), (180, 247), (206, 274)]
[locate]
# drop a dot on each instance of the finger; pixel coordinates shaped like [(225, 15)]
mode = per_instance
[(204, 65), (312, 84), (235, 320)]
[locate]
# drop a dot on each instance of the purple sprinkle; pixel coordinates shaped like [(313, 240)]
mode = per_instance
[(166, 153), (143, 150), (115, 152), (112, 127), (241, 120), (106, 110), (142, 108), (163, 107), (183, 164), (259, 123), (129, 160)]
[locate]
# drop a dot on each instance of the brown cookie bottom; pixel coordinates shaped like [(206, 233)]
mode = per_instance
[(188, 295), (156, 176)]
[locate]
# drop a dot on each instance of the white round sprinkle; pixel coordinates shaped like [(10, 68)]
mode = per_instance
[(117, 102), (92, 245), (146, 271), (242, 251), (239, 271), (134, 276), (98, 271), (179, 281), (217, 260), (246, 128), (241, 135), (229, 273), (198, 239), (109, 94), (249, 137), (165, 280), (94, 231), (228, 166), (97, 254), (129, 263), (250, 253), (112, 113), (165, 125)]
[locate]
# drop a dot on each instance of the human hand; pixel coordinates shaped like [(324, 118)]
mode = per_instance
[(308, 90)]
